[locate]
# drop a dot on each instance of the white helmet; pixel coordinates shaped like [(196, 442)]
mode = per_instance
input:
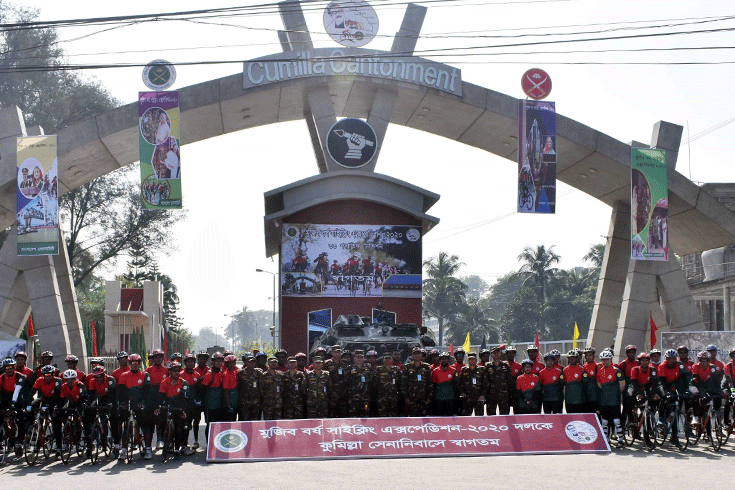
[(606, 354), (70, 374)]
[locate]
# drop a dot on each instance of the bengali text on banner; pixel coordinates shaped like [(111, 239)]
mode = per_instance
[(160, 159), (404, 437), (649, 205)]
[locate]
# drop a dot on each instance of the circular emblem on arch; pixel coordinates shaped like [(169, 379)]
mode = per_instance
[(159, 75), (581, 432), (351, 23), (536, 83), (352, 142), (231, 441)]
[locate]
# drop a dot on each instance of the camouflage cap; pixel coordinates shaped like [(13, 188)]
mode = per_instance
[(497, 348), (318, 359), (336, 348), (471, 354), (359, 352), (249, 357), (387, 356), (291, 358), (272, 359), (416, 349)]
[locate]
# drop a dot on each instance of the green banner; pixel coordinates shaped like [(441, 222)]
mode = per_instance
[(160, 159), (649, 205), (37, 202)]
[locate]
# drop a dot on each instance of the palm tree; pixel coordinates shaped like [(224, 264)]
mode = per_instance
[(537, 270), (474, 318), (443, 293), (595, 255)]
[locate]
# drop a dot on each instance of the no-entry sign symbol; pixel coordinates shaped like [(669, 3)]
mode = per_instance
[(536, 83)]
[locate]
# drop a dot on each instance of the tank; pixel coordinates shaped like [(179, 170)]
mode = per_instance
[(353, 332)]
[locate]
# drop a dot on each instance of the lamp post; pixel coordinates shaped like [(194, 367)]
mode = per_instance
[(274, 301)]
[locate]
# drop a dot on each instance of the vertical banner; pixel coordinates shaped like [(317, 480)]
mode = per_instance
[(536, 157), (649, 205), (37, 202), (160, 165)]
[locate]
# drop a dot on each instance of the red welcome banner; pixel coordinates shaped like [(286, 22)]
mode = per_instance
[(402, 437)]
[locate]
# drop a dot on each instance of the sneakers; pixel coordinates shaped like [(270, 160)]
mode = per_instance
[(148, 453), (159, 444), (195, 445), (177, 455), (123, 454), (188, 451)]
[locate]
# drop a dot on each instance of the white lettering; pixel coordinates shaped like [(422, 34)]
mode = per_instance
[(430, 75), (253, 79)]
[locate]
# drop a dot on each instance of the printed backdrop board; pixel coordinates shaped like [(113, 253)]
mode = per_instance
[(351, 260), (160, 158), (404, 437), (37, 201), (649, 205), (696, 342), (536, 157)]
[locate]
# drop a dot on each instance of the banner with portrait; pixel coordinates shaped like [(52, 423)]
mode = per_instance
[(160, 159), (37, 202), (351, 260), (649, 205), (536, 157)]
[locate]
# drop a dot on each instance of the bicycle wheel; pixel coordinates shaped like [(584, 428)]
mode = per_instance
[(129, 435), (31, 444), (140, 440), (167, 441), (683, 432), (715, 431), (696, 429), (67, 441), (631, 428), (4, 445), (80, 439), (96, 442), (48, 438), (649, 432)]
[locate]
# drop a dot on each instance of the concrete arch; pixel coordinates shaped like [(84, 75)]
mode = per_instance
[(591, 161)]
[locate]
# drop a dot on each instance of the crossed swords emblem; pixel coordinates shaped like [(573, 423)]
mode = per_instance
[(537, 86)]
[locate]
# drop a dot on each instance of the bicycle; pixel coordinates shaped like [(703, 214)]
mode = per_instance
[(72, 435), (8, 435), (728, 429), (644, 424), (132, 435), (675, 424), (169, 433), (40, 437), (712, 425), (100, 438)]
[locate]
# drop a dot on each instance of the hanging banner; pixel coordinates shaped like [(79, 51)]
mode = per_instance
[(270, 440), (160, 164), (536, 157), (649, 205), (37, 202), (351, 260), (352, 23)]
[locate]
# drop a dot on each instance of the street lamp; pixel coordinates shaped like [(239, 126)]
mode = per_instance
[(274, 297)]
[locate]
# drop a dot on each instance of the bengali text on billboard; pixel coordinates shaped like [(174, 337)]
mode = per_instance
[(160, 158), (649, 205)]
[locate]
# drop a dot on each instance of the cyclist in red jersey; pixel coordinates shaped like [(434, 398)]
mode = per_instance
[(158, 373), (71, 363), (683, 352), (193, 401), (134, 389), (626, 367), (174, 391)]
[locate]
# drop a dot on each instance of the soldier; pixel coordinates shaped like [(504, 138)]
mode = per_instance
[(498, 384), (338, 374), (372, 363), (388, 383), (358, 387), (249, 390), (472, 387), (416, 385), (272, 389), (294, 391), (484, 357), (318, 387)]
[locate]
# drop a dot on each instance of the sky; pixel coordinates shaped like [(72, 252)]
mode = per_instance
[(599, 83)]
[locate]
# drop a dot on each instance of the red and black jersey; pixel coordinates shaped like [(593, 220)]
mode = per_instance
[(212, 379), (591, 367), (626, 367), (191, 378), (26, 371), (134, 386), (174, 392), (117, 373), (574, 374), (515, 369), (158, 374), (103, 388), (202, 370), (688, 363), (49, 390), (229, 379), (74, 393), (7, 387)]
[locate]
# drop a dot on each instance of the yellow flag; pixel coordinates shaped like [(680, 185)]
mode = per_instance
[(467, 346), (576, 336)]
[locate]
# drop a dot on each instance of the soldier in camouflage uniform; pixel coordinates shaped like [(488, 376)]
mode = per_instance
[(472, 386), (272, 382), (249, 390), (372, 363), (416, 385), (387, 381), (294, 391), (337, 369), (359, 380), (499, 380), (318, 388)]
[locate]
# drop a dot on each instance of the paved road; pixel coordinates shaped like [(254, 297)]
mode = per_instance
[(622, 466)]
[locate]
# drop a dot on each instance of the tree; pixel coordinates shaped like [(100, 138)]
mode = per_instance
[(476, 286), (137, 266), (537, 271), (595, 255), (474, 318), (206, 338), (521, 317), (443, 294)]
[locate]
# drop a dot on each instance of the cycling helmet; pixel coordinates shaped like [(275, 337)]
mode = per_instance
[(549, 356), (300, 354), (227, 353), (433, 352), (531, 347), (189, 356), (122, 354), (670, 353), (281, 352), (8, 361), (589, 349), (156, 352), (606, 354), (47, 353), (711, 347), (644, 355), (373, 353), (98, 371), (527, 361), (654, 351), (443, 354), (485, 351), (510, 348), (682, 347), (217, 355), (22, 354), (555, 352), (203, 353), (48, 369), (573, 353), (630, 347), (71, 358), (703, 355), (230, 358), (134, 358), (176, 355), (70, 374), (96, 360), (259, 354), (175, 366)]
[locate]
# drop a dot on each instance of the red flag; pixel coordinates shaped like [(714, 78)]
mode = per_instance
[(653, 332), (31, 333), (451, 349), (537, 343), (94, 339)]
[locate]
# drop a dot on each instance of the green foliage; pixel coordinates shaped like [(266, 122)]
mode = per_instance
[(443, 293)]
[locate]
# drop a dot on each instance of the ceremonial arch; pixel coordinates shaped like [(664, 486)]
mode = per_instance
[(382, 88)]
